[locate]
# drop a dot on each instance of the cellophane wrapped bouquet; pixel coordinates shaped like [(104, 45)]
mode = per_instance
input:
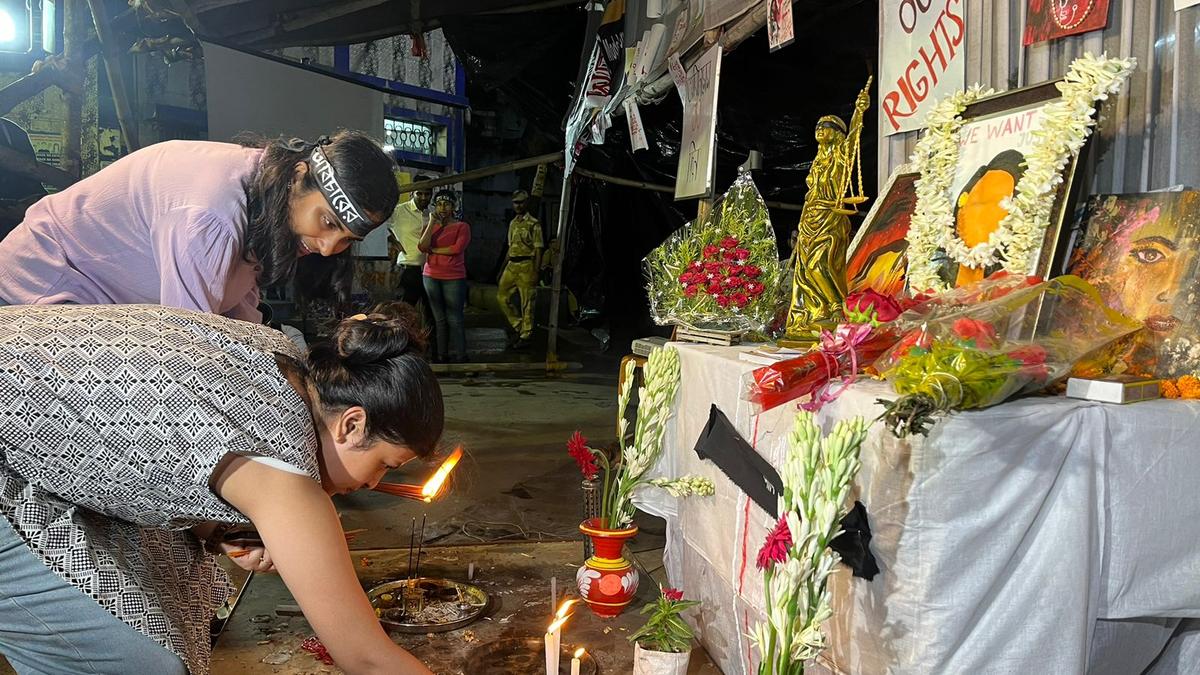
[(719, 273), (986, 343), (838, 354)]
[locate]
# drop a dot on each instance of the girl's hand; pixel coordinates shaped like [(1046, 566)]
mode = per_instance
[(250, 558)]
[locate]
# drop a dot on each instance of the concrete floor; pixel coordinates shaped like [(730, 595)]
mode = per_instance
[(516, 483)]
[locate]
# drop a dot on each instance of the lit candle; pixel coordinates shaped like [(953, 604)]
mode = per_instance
[(575, 661), (553, 642)]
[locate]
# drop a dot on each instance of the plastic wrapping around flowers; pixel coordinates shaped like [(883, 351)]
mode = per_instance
[(983, 344), (841, 353), (719, 273)]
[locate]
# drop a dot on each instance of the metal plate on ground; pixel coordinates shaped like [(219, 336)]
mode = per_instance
[(523, 655), (426, 605)]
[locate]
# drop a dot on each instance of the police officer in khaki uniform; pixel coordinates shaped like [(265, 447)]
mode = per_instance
[(521, 269)]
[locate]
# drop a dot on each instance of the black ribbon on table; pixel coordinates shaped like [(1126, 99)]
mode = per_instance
[(721, 444)]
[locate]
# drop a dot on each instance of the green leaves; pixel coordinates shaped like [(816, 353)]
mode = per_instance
[(665, 631)]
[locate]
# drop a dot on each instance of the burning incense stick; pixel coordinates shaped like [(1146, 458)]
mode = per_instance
[(420, 547), (430, 489)]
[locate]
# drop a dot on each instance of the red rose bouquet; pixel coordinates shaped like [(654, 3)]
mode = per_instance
[(719, 273)]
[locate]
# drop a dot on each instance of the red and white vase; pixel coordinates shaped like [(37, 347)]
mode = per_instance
[(607, 581)]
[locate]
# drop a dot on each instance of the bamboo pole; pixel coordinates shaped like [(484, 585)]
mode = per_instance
[(74, 34), (485, 172), (19, 91), (116, 76), (667, 189), (564, 217), (14, 161)]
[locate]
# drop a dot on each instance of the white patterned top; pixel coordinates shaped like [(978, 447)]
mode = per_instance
[(114, 418)]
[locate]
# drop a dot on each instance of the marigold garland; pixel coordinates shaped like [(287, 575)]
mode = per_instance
[(1066, 124), (1186, 387)]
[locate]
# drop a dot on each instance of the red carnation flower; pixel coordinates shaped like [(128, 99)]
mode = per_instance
[(734, 282), (696, 266), (722, 300), (754, 288), (691, 291), (913, 339), (710, 251), (741, 254), (728, 255), (753, 271), (739, 299), (672, 594), (736, 270), (982, 333), (714, 288), (578, 449), (777, 545), (729, 242), (313, 646), (1030, 355), (712, 267)]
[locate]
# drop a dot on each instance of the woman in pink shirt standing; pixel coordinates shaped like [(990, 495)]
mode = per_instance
[(200, 225), (445, 240)]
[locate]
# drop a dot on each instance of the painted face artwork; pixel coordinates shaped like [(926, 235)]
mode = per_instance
[(1140, 253)]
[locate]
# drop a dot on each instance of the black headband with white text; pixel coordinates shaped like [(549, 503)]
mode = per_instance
[(351, 215)]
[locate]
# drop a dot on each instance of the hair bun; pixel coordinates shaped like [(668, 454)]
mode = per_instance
[(389, 330)]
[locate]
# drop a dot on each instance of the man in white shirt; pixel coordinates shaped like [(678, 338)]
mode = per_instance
[(405, 226)]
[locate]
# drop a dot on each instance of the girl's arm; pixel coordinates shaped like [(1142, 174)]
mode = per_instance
[(461, 240), (426, 236), (300, 528)]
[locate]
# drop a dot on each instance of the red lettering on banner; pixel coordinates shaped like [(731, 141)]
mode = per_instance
[(934, 58), (937, 50), (957, 20)]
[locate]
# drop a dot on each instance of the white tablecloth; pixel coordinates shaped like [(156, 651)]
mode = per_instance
[(1046, 535)]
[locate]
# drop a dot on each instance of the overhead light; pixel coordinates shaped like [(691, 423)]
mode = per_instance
[(8, 28), (16, 27)]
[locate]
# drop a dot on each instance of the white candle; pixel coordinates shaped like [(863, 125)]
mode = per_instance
[(553, 644), (575, 661), (552, 653), (471, 572), (553, 593)]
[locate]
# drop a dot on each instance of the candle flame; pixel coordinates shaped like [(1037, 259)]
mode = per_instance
[(579, 653), (558, 623), (562, 609), (434, 484)]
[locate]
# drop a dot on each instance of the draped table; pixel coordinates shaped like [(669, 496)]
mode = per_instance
[(1045, 535)]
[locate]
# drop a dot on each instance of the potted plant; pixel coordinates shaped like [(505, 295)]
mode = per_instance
[(607, 581), (664, 645)]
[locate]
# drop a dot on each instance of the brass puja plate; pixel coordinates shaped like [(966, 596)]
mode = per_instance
[(426, 605)]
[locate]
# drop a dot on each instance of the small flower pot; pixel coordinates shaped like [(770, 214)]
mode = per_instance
[(607, 581), (649, 662)]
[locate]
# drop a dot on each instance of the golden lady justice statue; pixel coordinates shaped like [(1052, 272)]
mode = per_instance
[(819, 261)]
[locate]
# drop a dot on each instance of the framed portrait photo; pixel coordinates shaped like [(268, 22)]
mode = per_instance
[(996, 136)]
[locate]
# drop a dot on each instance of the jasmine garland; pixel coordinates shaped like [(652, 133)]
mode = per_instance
[(1065, 126)]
